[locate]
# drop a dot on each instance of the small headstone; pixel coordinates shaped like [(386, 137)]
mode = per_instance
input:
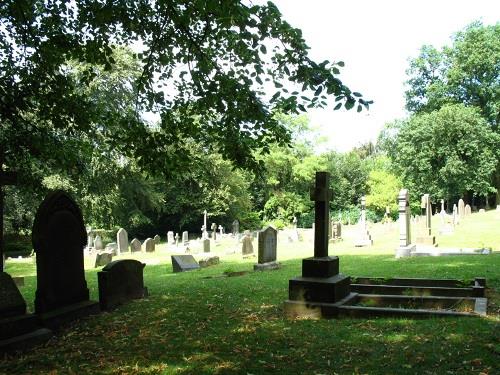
[(135, 245), (207, 262), (468, 210), (482, 211), (121, 281), (103, 258), (267, 244), (170, 238), (181, 263), (59, 237), (149, 245), (247, 243), (157, 239), (206, 245), (122, 241), (98, 243)]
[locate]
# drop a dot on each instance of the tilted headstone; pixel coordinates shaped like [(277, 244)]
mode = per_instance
[(149, 245), (181, 263), (247, 243), (157, 239), (98, 245), (170, 238), (267, 245), (122, 241), (405, 247), (103, 258), (121, 281), (135, 245), (59, 237), (461, 208)]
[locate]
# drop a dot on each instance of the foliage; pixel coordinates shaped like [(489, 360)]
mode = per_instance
[(446, 153), (383, 191), (284, 206), (204, 60)]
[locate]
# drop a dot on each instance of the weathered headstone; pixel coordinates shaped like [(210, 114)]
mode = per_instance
[(426, 238), (185, 238), (206, 245), (364, 237), (405, 247), (170, 237), (181, 263), (122, 241), (135, 245), (121, 281), (103, 258), (98, 245), (321, 285), (267, 245), (149, 245), (236, 227), (467, 210), (247, 243), (207, 262), (157, 239), (18, 330), (59, 237), (461, 208)]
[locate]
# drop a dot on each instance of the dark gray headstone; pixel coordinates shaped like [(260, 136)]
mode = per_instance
[(121, 281), (59, 237), (181, 263), (267, 245)]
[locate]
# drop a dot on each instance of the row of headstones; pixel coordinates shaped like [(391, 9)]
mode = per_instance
[(59, 237), (135, 245)]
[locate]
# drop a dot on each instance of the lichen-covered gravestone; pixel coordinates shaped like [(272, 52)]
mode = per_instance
[(59, 237), (121, 281), (267, 245), (122, 241)]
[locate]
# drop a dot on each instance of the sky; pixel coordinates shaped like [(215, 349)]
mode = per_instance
[(375, 39)]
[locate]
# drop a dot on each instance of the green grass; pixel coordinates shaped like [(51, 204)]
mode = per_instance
[(191, 324)]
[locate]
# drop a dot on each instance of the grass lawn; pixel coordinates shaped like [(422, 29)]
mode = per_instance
[(191, 324)]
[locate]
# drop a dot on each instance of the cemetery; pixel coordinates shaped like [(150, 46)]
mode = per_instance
[(191, 188)]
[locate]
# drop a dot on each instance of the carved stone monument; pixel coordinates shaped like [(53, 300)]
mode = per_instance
[(59, 237), (364, 237), (405, 246), (267, 244), (426, 238), (321, 286)]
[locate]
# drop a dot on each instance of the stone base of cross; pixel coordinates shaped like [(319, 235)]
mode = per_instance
[(318, 292)]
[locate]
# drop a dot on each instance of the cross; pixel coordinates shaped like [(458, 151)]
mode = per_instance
[(6, 178), (321, 195)]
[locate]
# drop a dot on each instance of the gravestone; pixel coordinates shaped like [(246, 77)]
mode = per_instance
[(59, 237), (185, 238), (405, 246), (207, 262), (157, 239), (214, 230), (236, 227), (426, 238), (111, 247), (181, 263), (456, 217), (177, 237), (135, 245), (90, 237), (364, 237), (267, 244), (206, 245), (98, 245), (122, 241), (103, 258), (149, 245), (18, 330), (336, 231), (461, 208), (204, 228), (315, 293), (467, 210), (170, 237), (247, 243), (121, 281), (221, 230)]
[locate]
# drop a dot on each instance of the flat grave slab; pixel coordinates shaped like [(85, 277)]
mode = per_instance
[(182, 263)]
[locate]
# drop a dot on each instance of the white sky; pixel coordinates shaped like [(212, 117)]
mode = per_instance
[(375, 40)]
